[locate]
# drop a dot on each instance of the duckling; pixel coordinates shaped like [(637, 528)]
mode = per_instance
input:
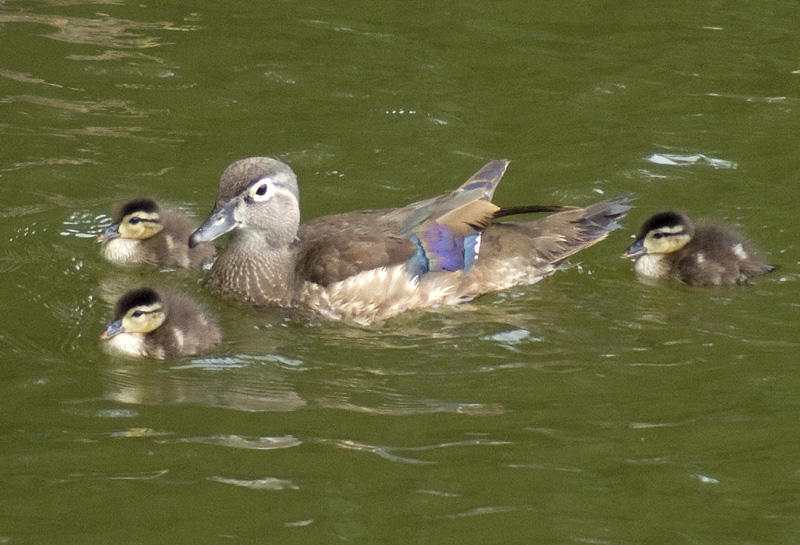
[(149, 324), (144, 233), (370, 265), (670, 246)]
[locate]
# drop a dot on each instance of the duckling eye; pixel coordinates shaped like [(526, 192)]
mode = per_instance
[(134, 221), (659, 235), (136, 313)]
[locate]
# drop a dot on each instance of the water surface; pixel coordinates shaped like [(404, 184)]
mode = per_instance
[(589, 408)]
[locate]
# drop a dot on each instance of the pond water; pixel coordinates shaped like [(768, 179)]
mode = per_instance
[(588, 408)]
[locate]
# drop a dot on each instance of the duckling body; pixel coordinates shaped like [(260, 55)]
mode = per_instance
[(370, 265), (142, 232), (151, 325), (669, 245)]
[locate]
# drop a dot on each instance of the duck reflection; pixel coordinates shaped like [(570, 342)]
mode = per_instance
[(242, 383)]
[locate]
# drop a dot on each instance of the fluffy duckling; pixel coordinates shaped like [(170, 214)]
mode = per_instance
[(670, 246), (144, 233), (148, 324), (370, 265)]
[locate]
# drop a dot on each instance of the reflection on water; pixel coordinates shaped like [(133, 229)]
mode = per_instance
[(480, 511), (242, 388), (672, 159), (391, 405), (239, 442), (112, 107), (27, 78), (260, 384), (138, 476), (264, 483), (392, 453), (103, 31)]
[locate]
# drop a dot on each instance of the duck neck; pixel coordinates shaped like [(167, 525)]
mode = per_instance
[(254, 270)]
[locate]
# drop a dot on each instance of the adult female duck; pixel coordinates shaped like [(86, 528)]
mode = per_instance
[(373, 264)]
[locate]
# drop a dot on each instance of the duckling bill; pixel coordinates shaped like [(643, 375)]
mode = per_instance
[(669, 245), (370, 265), (152, 325), (143, 232)]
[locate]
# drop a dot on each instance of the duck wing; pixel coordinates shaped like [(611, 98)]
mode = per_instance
[(332, 248)]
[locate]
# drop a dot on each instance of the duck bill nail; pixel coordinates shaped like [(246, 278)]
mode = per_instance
[(113, 329), (220, 222)]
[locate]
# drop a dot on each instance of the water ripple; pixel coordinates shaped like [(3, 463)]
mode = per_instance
[(104, 31), (84, 224), (138, 476), (389, 453), (24, 77), (252, 389), (674, 159), (407, 407), (480, 511), (241, 442), (264, 483), (108, 106)]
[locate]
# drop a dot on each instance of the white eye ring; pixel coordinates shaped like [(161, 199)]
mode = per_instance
[(263, 190)]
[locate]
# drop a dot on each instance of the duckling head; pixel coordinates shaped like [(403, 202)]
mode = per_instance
[(664, 233), (257, 194), (135, 220), (138, 312)]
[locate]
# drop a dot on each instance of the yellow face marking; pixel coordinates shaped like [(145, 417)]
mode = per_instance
[(666, 240), (143, 319), (140, 225)]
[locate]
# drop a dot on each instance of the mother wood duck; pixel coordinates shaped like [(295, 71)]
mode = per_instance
[(371, 265)]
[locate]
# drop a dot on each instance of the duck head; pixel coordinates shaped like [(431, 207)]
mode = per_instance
[(140, 311), (663, 233), (256, 194), (139, 219)]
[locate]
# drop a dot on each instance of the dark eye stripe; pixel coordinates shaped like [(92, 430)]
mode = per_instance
[(660, 235), (138, 313)]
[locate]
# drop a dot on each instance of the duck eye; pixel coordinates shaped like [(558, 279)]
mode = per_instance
[(136, 313), (134, 221), (262, 191), (658, 235)]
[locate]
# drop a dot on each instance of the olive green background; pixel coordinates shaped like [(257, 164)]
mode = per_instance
[(588, 408)]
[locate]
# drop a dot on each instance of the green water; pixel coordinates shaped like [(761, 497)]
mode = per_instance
[(588, 408)]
